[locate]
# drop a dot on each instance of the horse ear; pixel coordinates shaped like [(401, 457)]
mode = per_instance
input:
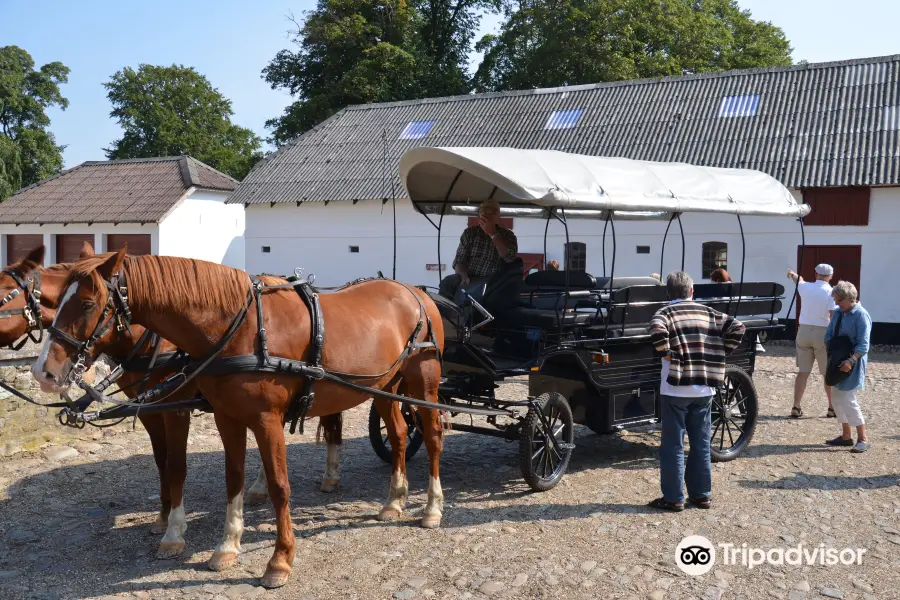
[(86, 251), (32, 261), (112, 265)]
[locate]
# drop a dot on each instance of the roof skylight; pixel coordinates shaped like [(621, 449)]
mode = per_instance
[(416, 130), (563, 119), (739, 106)]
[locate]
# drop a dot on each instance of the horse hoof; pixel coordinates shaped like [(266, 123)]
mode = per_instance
[(389, 514), (255, 498), (275, 578), (329, 485), (169, 549), (431, 521), (160, 525), (222, 561)]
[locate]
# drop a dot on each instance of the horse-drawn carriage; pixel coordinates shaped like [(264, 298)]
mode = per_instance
[(255, 347), (582, 341)]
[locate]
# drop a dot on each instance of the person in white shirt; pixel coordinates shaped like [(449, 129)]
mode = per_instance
[(816, 308)]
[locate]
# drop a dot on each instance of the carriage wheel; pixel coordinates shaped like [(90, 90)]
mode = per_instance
[(734, 411), (542, 465), (379, 438)]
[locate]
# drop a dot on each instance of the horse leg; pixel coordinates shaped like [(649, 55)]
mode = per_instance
[(331, 427), (270, 438), (396, 429), (422, 379), (156, 429), (177, 425), (259, 491), (234, 439)]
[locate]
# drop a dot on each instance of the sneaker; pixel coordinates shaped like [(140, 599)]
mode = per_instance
[(860, 447), (839, 441)]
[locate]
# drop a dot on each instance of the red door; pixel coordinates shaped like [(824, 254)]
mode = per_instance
[(68, 246), (138, 243), (531, 261), (20, 244), (846, 260)]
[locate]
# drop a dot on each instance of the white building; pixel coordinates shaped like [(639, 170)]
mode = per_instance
[(173, 206), (830, 132)]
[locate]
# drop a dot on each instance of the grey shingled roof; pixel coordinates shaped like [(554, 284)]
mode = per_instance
[(827, 124), (140, 190)]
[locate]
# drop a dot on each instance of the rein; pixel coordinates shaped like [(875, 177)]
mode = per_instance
[(31, 311)]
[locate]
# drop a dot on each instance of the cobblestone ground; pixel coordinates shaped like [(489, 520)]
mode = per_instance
[(75, 522)]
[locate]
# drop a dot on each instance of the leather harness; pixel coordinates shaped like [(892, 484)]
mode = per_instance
[(32, 309)]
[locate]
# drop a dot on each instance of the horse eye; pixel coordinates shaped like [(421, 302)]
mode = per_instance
[(88, 305)]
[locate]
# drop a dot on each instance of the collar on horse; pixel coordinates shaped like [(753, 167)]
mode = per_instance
[(31, 286)]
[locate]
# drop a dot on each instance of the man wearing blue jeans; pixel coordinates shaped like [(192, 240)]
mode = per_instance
[(693, 341)]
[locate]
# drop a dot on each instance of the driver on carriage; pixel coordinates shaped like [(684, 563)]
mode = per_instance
[(483, 250)]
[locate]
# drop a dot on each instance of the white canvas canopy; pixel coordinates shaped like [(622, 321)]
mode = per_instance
[(529, 182)]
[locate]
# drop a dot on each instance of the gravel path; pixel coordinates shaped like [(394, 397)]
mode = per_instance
[(75, 522)]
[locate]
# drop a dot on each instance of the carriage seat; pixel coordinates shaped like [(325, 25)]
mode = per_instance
[(521, 317)]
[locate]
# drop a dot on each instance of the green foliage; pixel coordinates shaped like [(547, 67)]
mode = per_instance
[(28, 151), (548, 43), (363, 51), (169, 111)]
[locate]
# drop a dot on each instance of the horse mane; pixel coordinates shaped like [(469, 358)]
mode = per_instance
[(171, 283)]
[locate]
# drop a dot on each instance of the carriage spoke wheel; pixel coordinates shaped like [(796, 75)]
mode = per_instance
[(543, 464), (379, 438), (733, 419)]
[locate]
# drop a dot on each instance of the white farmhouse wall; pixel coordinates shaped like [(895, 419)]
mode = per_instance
[(98, 230), (202, 226), (317, 238)]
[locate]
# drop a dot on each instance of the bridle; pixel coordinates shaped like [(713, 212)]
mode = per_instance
[(115, 313), (32, 309)]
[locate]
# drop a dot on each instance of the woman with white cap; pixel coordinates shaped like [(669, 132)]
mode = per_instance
[(816, 308)]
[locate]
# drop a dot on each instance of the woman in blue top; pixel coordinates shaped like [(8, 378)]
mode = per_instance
[(857, 325)]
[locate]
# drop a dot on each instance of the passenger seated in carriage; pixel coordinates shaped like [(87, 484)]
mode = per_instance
[(483, 249)]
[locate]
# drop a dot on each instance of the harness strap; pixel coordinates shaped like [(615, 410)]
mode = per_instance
[(302, 402), (31, 310)]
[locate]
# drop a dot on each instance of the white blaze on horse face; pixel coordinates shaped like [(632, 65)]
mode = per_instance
[(177, 526), (234, 526), (38, 370), (435, 505)]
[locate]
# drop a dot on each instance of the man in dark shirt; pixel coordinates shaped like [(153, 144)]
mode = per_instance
[(483, 249)]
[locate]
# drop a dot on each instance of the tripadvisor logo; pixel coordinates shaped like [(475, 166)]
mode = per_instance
[(696, 555)]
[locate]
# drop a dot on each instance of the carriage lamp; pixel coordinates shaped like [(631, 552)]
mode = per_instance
[(600, 357)]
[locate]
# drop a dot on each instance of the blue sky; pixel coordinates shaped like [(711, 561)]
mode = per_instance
[(230, 42)]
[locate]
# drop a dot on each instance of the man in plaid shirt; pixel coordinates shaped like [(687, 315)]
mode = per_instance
[(483, 249)]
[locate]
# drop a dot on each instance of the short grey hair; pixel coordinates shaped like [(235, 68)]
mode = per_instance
[(844, 290), (489, 206), (679, 285)]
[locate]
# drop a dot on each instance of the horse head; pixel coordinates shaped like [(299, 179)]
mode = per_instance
[(88, 320)]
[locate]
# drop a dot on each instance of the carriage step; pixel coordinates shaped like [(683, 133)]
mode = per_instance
[(564, 446)]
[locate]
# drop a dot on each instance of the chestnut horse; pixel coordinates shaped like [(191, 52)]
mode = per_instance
[(168, 431), (193, 304)]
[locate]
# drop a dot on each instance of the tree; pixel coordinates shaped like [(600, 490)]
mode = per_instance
[(28, 151), (548, 43), (169, 111), (363, 51)]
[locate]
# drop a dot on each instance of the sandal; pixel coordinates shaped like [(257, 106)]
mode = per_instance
[(704, 503), (796, 412), (830, 414), (663, 504)]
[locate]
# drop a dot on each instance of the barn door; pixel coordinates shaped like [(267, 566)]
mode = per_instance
[(846, 260), (19, 245), (138, 243), (68, 245)]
